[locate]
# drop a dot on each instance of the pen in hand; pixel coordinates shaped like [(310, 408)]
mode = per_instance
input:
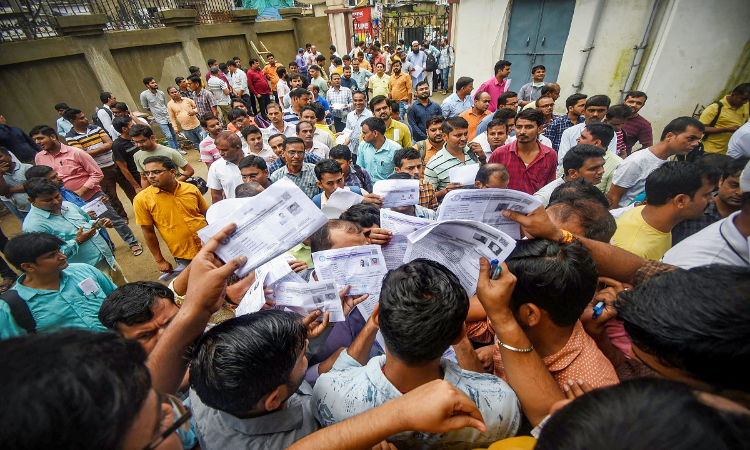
[(598, 308), (495, 269)]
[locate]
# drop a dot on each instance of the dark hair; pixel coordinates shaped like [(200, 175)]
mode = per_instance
[(241, 102), (422, 83), (364, 214), (597, 222), (235, 114), (496, 123), (60, 106), (71, 113), (717, 160), (253, 161), (340, 152), (602, 131), (486, 172), (39, 186), (678, 177), (38, 171), (742, 89), (193, 69), (412, 295), (558, 278), (302, 123), (293, 140), (230, 63), (274, 136), (27, 247), (503, 98), (118, 123), (104, 96), (452, 123), (680, 125), (247, 190), (533, 69), (210, 62), (141, 130), (548, 89), (332, 47), (163, 160), (321, 239), (735, 167), (102, 384), (376, 100), (574, 99), (327, 166), (637, 94), (122, 106), (237, 362), (644, 413), (500, 65), (694, 320), (131, 304), (533, 115), (504, 114), (463, 82), (578, 154), (206, 117), (44, 130), (619, 112), (248, 130), (598, 100), (299, 92), (320, 111), (195, 79), (375, 124), (147, 80), (405, 153), (281, 72), (399, 176), (4, 150), (578, 189)]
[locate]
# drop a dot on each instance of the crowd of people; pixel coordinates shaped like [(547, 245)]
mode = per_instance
[(618, 321)]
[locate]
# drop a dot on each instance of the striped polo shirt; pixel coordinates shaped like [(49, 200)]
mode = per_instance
[(91, 140), (436, 171)]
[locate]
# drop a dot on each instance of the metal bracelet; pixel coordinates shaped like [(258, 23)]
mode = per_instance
[(519, 350)]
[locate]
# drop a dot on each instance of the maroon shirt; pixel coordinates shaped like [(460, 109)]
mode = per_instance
[(638, 129), (257, 82), (522, 178)]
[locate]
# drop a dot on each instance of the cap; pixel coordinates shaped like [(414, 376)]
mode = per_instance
[(745, 179), (387, 45), (214, 69), (300, 50), (414, 43)]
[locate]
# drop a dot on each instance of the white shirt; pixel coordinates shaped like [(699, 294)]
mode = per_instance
[(545, 193), (282, 88), (718, 243), (224, 176), (354, 123), (106, 120), (288, 131), (266, 153), (568, 141), (323, 137), (238, 79), (739, 143), (319, 149), (632, 172), (350, 389), (217, 86)]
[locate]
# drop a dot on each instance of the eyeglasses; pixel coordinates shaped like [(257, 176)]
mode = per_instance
[(180, 414), (153, 172), (293, 154)]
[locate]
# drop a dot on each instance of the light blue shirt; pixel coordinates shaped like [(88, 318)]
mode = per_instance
[(361, 77), (354, 123), (62, 308), (66, 226), (16, 178), (350, 389), (453, 106), (63, 126), (417, 60), (378, 163)]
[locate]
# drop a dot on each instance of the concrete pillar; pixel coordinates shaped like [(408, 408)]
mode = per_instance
[(339, 25), (105, 69)]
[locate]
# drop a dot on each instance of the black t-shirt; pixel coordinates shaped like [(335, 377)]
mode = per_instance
[(124, 150)]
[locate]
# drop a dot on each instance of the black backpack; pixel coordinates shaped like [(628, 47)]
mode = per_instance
[(698, 151), (20, 311), (96, 120), (432, 64)]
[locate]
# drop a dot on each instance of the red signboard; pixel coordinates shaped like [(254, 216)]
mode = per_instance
[(362, 22)]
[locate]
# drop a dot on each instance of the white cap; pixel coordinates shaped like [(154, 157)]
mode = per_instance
[(745, 179), (414, 43)]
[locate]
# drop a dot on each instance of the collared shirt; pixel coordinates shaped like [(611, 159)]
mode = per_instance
[(446, 57), (437, 170), (353, 180), (473, 120), (66, 226), (718, 243), (729, 117), (219, 430), (739, 144), (14, 178), (204, 101), (208, 151), (301, 64), (554, 130), (569, 137), (238, 80), (611, 162), (427, 196), (270, 72), (350, 389), (63, 126), (178, 216), (689, 227), (76, 168), (257, 82), (224, 176), (156, 103), (178, 113), (66, 307), (349, 83), (354, 123), (291, 117), (545, 193), (379, 85), (638, 129), (425, 213), (529, 92), (321, 83), (90, 140), (637, 236), (361, 78), (305, 180), (400, 87), (319, 149), (278, 164), (341, 97), (495, 90), (531, 178), (454, 106), (417, 115), (430, 151), (288, 131), (398, 132), (302, 252), (379, 163), (105, 117), (160, 150), (282, 89), (216, 85), (632, 172)]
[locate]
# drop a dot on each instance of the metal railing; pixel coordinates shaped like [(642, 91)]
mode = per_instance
[(36, 19)]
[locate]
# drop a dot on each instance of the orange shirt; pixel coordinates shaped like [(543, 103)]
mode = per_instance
[(366, 65), (400, 88), (270, 72), (473, 120)]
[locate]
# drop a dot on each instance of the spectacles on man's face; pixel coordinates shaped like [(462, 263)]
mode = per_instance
[(176, 412), (155, 173), (293, 154)]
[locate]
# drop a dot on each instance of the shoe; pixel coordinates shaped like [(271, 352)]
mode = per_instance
[(182, 152)]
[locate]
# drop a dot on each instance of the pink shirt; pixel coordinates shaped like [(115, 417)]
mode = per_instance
[(495, 89), (76, 168)]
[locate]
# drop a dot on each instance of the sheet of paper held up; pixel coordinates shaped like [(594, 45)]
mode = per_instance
[(362, 268), (340, 139), (458, 245), (96, 205), (401, 226), (397, 192), (487, 206), (283, 206), (340, 200), (271, 274), (224, 208), (304, 298), (464, 174)]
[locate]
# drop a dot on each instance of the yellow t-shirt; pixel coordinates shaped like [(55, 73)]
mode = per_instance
[(379, 86), (730, 117), (399, 133), (636, 236)]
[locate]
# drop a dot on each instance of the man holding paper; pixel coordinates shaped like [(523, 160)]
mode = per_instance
[(376, 151), (331, 178), (224, 174), (454, 154), (299, 172)]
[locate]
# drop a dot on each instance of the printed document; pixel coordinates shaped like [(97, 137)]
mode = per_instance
[(362, 268), (401, 226), (304, 298), (397, 192), (340, 201)]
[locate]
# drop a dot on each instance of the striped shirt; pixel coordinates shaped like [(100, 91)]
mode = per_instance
[(291, 117), (437, 170), (91, 140)]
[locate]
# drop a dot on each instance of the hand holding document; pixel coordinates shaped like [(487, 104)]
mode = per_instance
[(341, 138), (487, 206), (304, 298), (458, 245), (96, 205), (464, 175), (271, 273), (252, 301), (362, 268), (283, 206), (401, 226), (224, 208), (340, 200), (397, 192)]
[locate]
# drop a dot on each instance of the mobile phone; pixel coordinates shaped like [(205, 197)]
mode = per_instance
[(98, 224)]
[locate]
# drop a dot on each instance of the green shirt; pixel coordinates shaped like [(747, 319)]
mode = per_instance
[(160, 150)]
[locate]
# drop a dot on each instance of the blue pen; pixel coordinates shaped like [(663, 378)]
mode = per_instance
[(493, 265), (598, 310), (496, 273)]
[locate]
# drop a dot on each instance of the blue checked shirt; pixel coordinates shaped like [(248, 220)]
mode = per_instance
[(305, 180), (278, 164), (344, 97), (554, 129)]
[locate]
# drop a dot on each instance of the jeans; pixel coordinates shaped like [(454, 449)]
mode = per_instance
[(182, 261), (196, 135), (402, 110), (12, 208), (444, 75), (169, 133), (250, 103), (120, 226)]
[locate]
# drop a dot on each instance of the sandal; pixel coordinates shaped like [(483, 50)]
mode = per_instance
[(136, 249), (6, 284)]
